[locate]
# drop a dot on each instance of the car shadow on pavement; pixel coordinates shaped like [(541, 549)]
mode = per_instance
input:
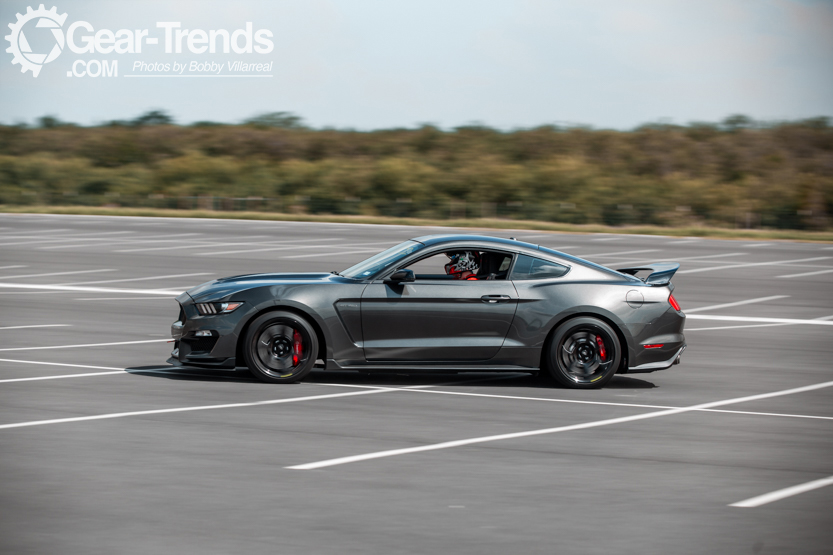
[(391, 378), (190, 373)]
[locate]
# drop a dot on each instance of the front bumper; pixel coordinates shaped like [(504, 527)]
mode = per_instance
[(217, 350)]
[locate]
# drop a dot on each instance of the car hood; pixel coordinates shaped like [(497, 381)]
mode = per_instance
[(219, 288)]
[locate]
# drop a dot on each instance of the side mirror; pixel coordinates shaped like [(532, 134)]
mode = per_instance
[(401, 276)]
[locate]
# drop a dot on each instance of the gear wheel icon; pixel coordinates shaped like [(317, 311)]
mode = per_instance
[(20, 48)]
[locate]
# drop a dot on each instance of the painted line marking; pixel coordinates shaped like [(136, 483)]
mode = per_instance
[(138, 279), (608, 239), (36, 326), (738, 303), (753, 502), (17, 232), (806, 274), (691, 258), (40, 240), (546, 431), (604, 403), (195, 244), (686, 241), (762, 320), (823, 318), (168, 298), (186, 409), (320, 254), (142, 240), (11, 267), (88, 345), (753, 245), (752, 264), (614, 254), (91, 289), (57, 274), (736, 327), (286, 245), (40, 378), (289, 248), (417, 388), (60, 364)]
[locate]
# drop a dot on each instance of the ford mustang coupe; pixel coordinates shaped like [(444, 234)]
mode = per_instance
[(439, 303)]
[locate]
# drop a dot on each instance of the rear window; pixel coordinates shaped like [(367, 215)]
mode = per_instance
[(528, 267)]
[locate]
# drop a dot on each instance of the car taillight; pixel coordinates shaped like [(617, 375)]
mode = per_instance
[(673, 302)]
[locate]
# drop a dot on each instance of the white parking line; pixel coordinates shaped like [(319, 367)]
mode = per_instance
[(417, 389), (60, 364), (752, 264), (604, 403), (806, 274), (18, 232), (11, 267), (608, 239), (689, 258), (762, 320), (142, 240), (586, 425), (736, 327), (168, 298), (753, 502), (137, 279), (336, 253), (738, 303), (41, 378), (67, 239), (614, 254), (758, 245), (88, 345), (57, 274), (187, 409), (36, 326), (91, 289), (293, 244)]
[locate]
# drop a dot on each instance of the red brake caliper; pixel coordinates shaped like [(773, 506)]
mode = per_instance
[(296, 348), (602, 352)]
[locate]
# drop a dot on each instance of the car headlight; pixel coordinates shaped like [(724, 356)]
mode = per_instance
[(208, 309)]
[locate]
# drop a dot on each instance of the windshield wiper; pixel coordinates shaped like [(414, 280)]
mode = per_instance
[(336, 273)]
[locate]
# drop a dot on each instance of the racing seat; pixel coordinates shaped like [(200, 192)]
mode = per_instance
[(490, 263)]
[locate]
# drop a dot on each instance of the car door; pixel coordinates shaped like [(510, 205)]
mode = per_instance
[(436, 320)]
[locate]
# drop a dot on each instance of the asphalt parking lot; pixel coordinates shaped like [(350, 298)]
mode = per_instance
[(106, 449)]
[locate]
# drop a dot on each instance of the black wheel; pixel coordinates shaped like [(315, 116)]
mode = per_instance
[(584, 353), (281, 347)]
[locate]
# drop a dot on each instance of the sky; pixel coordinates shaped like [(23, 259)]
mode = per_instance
[(371, 64)]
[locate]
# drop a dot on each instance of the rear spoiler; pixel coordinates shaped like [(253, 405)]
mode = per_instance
[(661, 272)]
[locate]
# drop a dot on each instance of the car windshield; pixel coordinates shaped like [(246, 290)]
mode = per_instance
[(378, 262)]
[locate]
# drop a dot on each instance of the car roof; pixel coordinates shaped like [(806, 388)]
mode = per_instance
[(431, 240)]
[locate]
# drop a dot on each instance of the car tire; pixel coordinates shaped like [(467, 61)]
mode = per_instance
[(280, 347), (584, 353)]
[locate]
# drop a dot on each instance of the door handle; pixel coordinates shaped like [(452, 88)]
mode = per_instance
[(491, 299)]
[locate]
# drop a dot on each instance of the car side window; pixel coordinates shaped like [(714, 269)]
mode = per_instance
[(528, 267)]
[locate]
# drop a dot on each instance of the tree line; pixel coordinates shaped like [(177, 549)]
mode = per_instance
[(735, 173)]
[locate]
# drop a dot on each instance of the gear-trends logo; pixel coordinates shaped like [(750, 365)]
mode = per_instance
[(46, 20)]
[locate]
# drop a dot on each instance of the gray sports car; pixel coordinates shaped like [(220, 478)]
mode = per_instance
[(440, 302)]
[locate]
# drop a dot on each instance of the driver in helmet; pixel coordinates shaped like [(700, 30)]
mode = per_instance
[(462, 264)]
